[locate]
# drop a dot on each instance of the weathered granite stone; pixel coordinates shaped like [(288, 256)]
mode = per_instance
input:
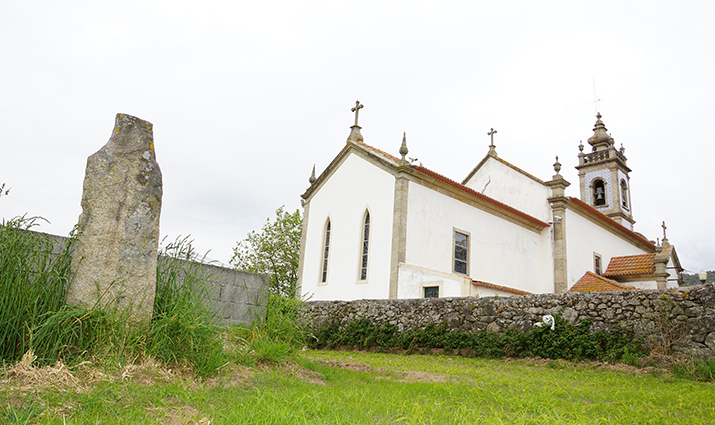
[(116, 254)]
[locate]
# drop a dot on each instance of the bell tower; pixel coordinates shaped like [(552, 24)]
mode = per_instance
[(603, 176)]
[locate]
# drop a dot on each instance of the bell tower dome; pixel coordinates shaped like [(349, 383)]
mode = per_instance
[(603, 176)]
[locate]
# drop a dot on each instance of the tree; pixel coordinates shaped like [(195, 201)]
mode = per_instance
[(274, 251)]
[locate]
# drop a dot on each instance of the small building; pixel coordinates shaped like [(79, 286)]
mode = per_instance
[(377, 226)]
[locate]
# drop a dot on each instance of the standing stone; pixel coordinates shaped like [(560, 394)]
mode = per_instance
[(116, 252)]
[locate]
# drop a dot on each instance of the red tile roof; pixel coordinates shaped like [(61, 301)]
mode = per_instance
[(381, 152), (591, 282), (499, 288), (631, 265)]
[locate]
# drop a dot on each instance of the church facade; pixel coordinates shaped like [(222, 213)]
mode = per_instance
[(376, 226)]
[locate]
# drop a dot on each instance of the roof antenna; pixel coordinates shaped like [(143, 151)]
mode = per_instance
[(595, 98)]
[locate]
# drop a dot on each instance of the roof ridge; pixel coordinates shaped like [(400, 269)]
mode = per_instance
[(609, 220), (480, 195), (500, 287)]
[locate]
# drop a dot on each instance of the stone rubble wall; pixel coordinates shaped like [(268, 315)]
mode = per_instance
[(236, 296), (685, 317)]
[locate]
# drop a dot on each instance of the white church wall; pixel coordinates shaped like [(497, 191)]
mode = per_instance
[(584, 238), (508, 186), (500, 252), (413, 279), (355, 186)]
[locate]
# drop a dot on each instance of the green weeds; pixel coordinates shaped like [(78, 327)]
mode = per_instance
[(567, 341), (32, 283), (273, 340)]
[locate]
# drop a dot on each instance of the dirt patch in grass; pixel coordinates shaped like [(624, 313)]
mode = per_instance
[(236, 376), (561, 364), (398, 376)]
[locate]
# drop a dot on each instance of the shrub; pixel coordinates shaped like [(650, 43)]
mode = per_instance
[(567, 341)]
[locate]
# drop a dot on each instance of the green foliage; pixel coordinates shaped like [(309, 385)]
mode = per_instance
[(696, 368), (567, 341), (4, 191), (274, 251), (33, 316), (182, 328), (275, 339), (694, 279), (32, 283), (73, 332)]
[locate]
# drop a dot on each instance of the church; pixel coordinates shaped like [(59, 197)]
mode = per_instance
[(376, 226)]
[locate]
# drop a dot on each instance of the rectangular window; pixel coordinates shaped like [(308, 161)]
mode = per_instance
[(596, 263), (461, 253), (431, 291)]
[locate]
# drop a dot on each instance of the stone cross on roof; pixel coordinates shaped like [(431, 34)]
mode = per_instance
[(356, 109), (492, 148)]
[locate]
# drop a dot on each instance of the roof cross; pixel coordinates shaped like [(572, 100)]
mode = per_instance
[(356, 109), (664, 227), (492, 133), (492, 149)]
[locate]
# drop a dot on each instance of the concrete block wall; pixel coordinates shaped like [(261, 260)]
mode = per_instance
[(236, 296)]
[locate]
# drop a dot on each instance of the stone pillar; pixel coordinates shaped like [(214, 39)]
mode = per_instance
[(661, 274), (558, 202), (116, 254), (399, 231)]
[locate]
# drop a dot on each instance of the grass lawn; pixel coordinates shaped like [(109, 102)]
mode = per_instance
[(333, 387)]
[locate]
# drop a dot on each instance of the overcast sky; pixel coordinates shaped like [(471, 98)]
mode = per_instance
[(245, 96)]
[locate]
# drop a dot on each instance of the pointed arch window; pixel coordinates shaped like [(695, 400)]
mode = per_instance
[(365, 246), (599, 193), (326, 253)]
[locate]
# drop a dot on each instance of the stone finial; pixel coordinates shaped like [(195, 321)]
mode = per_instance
[(580, 145), (557, 167), (623, 150), (355, 135), (116, 254), (311, 180), (403, 149), (492, 148), (600, 138)]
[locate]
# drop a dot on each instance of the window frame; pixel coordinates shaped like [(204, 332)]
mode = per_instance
[(598, 263), (468, 237), (325, 253), (364, 247), (624, 195), (605, 197)]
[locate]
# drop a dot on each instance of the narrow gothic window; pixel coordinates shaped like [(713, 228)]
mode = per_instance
[(599, 193), (324, 277), (365, 246), (461, 248), (624, 194)]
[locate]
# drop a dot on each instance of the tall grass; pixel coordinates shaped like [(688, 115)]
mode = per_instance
[(276, 338), (33, 282), (183, 328)]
